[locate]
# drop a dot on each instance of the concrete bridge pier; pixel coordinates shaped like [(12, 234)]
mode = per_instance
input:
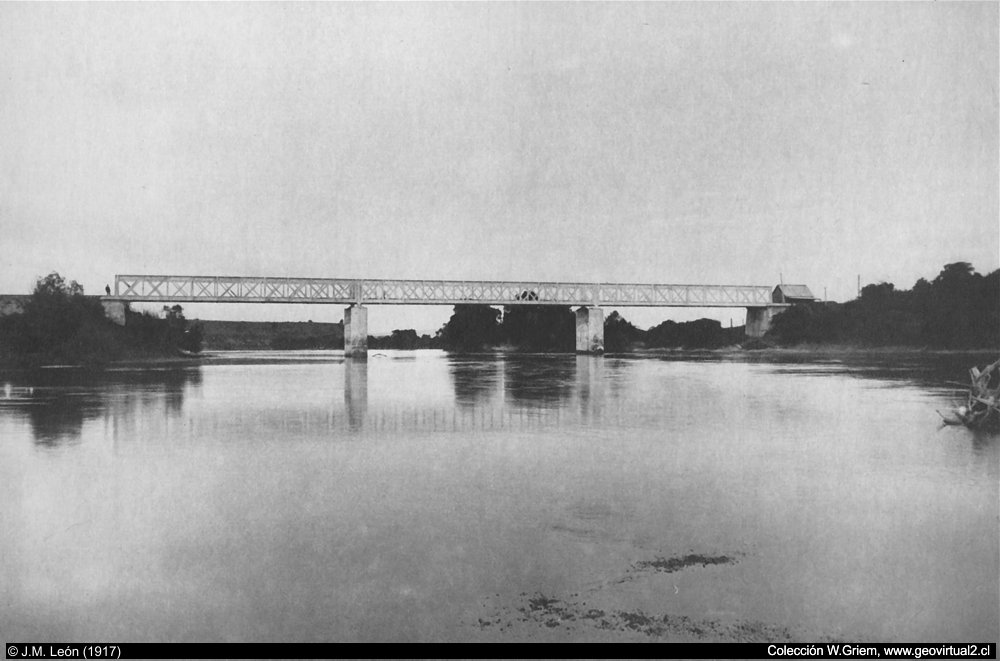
[(356, 331), (590, 330), (115, 310), (759, 320)]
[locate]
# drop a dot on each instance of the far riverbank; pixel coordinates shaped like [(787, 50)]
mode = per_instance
[(819, 350)]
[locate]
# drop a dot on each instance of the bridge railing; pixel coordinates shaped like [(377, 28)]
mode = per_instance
[(215, 289)]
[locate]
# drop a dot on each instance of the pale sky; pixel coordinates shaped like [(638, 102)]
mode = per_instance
[(709, 143)]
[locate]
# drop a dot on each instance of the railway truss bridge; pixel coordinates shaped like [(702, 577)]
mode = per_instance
[(589, 298)]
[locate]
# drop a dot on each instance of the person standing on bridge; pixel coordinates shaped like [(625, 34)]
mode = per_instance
[(107, 289)]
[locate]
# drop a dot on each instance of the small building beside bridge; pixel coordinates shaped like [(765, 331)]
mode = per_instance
[(792, 294)]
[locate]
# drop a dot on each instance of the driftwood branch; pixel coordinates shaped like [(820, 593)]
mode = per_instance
[(982, 406)]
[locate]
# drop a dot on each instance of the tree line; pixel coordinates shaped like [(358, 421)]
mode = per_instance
[(958, 309), (553, 328)]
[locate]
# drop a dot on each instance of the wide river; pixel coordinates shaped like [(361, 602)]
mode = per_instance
[(419, 496)]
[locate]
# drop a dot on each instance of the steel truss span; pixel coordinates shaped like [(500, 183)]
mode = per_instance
[(212, 289)]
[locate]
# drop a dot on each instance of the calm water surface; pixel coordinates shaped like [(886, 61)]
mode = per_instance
[(302, 497)]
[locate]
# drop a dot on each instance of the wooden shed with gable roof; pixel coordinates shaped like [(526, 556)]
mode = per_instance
[(792, 294)]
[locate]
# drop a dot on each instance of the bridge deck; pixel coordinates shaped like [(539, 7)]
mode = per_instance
[(211, 289)]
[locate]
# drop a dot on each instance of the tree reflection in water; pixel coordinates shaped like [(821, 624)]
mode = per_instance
[(538, 380), (477, 380), (59, 402), (518, 383)]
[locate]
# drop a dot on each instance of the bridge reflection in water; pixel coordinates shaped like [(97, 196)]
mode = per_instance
[(489, 395)]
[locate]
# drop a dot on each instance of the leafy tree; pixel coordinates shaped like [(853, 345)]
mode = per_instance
[(55, 313), (698, 334), (953, 315), (877, 294), (406, 340), (988, 334), (470, 328), (954, 276), (193, 338), (55, 286), (619, 334), (539, 327)]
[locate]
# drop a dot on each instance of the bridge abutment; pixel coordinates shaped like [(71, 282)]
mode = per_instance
[(590, 330), (356, 331), (759, 320)]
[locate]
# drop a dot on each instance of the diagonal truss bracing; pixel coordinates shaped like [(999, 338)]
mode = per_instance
[(211, 289)]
